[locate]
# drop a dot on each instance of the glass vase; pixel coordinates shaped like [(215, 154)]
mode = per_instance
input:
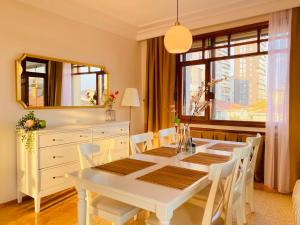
[(110, 115)]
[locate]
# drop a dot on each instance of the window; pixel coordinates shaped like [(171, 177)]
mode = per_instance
[(240, 54)]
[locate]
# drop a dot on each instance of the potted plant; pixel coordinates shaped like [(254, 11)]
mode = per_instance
[(26, 127)]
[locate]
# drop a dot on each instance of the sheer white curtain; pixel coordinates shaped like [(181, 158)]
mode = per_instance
[(277, 161)]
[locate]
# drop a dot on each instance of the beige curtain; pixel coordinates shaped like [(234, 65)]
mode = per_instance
[(294, 125), (55, 83), (160, 85)]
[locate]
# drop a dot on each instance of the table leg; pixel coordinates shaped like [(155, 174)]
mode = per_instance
[(81, 206), (164, 216)]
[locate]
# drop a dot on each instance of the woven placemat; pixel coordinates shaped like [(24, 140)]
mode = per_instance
[(124, 166), (206, 158), (199, 143), (225, 147), (162, 151), (174, 177)]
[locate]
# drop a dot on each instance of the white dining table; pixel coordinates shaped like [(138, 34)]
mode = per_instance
[(155, 198)]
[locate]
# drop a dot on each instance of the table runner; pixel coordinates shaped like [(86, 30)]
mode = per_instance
[(124, 166), (225, 147), (174, 177), (162, 151), (206, 158)]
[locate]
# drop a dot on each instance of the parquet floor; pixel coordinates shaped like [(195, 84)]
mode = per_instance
[(61, 209)]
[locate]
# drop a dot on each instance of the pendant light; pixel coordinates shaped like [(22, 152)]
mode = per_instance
[(178, 39)]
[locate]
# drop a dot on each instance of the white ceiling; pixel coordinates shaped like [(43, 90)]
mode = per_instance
[(141, 19)]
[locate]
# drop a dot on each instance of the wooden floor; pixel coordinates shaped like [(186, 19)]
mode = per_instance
[(57, 209), (61, 209)]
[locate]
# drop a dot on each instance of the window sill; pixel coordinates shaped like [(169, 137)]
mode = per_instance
[(224, 122)]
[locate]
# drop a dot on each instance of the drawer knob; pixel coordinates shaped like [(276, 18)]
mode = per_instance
[(54, 139), (57, 156), (83, 135), (55, 177), (102, 132)]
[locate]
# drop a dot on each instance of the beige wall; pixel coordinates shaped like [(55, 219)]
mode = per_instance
[(26, 29)]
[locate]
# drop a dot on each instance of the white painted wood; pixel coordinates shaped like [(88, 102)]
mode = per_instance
[(41, 171), (243, 154), (255, 142), (54, 176), (53, 139), (221, 176), (106, 208), (57, 155), (154, 198), (141, 142), (167, 136)]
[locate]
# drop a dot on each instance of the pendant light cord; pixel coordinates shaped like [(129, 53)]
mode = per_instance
[(177, 13)]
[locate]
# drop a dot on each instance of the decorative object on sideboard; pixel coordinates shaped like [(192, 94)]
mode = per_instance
[(131, 99), (110, 100), (25, 127), (178, 39)]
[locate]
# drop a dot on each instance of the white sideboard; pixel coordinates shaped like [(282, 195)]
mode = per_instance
[(41, 171)]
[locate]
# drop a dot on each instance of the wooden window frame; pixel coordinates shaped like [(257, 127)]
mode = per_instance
[(96, 73), (26, 75), (181, 64)]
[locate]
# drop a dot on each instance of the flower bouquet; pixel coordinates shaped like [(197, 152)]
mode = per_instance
[(110, 100), (25, 127)]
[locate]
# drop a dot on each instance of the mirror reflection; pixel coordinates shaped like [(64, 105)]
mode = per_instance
[(53, 83)]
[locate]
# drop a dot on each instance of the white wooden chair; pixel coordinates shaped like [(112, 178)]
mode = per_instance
[(243, 155), (255, 142), (144, 139), (296, 202), (116, 212), (221, 176), (167, 136)]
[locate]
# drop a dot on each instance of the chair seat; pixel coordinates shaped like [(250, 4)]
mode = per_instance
[(187, 214), (113, 207)]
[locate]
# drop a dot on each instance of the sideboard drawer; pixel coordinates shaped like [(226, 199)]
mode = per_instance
[(56, 176), (64, 138), (122, 142), (102, 132), (120, 130), (56, 155)]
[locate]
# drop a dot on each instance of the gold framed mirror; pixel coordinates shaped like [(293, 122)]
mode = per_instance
[(45, 82)]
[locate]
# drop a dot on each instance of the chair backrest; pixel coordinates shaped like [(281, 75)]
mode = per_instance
[(296, 202), (255, 142), (167, 136), (243, 155), (141, 142), (86, 153), (222, 176)]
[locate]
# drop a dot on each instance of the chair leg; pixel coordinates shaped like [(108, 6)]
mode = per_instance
[(240, 212), (90, 222), (243, 208), (249, 191)]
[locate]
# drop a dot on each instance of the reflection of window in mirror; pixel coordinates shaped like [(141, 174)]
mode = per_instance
[(52, 83), (89, 85), (34, 83)]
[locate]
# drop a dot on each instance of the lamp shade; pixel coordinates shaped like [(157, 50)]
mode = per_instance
[(130, 97), (178, 39)]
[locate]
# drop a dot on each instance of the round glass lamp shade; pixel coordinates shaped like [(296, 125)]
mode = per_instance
[(178, 39)]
